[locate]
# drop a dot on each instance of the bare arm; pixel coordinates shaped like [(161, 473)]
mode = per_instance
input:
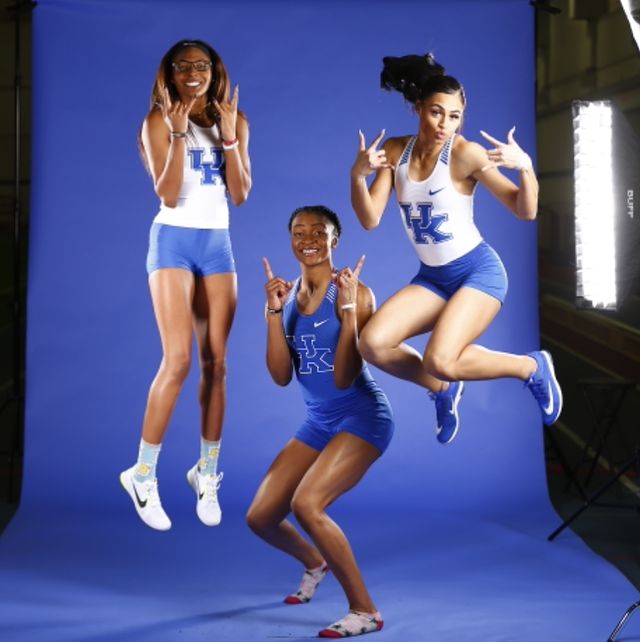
[(166, 154), (369, 202), (279, 361), (234, 127), (356, 304), (521, 199)]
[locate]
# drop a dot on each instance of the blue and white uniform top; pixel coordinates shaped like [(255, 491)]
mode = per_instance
[(312, 341), (438, 219), (202, 202)]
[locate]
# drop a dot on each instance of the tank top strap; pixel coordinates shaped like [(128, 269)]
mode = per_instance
[(329, 301), (446, 151), (406, 154)]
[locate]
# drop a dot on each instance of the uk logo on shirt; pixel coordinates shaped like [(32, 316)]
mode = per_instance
[(209, 165), (312, 358), (425, 225)]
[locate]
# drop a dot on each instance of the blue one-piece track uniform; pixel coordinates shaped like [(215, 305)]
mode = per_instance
[(362, 409)]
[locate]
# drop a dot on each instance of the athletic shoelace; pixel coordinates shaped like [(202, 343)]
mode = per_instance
[(211, 486)]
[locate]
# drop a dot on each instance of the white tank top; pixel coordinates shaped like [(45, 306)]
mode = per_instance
[(438, 219), (202, 202)]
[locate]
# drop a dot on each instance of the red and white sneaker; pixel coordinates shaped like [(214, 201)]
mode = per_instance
[(310, 580), (354, 623)]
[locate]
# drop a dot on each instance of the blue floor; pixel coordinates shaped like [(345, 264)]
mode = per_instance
[(83, 577)]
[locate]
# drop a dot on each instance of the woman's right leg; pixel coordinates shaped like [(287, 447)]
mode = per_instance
[(412, 311), (172, 294), (271, 505)]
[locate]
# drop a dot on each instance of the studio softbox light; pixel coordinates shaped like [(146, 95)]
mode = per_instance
[(607, 225)]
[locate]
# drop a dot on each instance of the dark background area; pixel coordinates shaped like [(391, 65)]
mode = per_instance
[(585, 51)]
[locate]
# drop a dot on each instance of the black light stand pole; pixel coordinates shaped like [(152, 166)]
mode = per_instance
[(634, 462), (21, 7), (623, 621)]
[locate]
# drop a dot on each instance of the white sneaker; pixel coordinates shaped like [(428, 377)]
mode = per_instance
[(206, 489), (146, 500)]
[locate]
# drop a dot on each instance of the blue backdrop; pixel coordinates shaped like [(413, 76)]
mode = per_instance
[(458, 532), (308, 76)]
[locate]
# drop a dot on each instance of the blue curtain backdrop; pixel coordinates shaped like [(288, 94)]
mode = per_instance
[(309, 79)]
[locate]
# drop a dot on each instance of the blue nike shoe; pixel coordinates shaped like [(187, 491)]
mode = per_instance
[(447, 402), (545, 387)]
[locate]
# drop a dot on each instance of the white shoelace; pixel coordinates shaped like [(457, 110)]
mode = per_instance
[(211, 486)]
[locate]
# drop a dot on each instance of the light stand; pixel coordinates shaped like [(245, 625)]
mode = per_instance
[(14, 455)]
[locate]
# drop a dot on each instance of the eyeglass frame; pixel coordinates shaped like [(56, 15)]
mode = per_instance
[(189, 65)]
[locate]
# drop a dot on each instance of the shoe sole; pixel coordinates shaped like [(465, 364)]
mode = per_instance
[(328, 633), (556, 386), (129, 490), (456, 401)]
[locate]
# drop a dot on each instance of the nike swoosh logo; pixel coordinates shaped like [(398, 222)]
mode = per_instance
[(141, 503), (549, 408), (438, 430), (317, 324), (435, 191)]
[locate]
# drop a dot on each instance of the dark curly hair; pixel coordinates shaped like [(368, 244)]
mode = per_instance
[(417, 78)]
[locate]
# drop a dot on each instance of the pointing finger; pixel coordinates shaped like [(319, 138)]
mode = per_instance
[(510, 138), (376, 142), (361, 137), (267, 268), (358, 268), (491, 139)]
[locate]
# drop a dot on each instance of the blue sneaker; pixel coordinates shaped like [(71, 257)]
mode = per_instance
[(447, 411), (545, 387)]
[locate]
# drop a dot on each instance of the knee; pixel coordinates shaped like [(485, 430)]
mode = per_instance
[(176, 365), (306, 511), (213, 368), (370, 345), (440, 365), (259, 520)]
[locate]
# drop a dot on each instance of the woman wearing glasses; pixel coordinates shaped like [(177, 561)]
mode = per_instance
[(194, 142)]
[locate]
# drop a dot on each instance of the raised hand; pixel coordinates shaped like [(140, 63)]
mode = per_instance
[(508, 154), (369, 159), (347, 282), (228, 112), (176, 114), (277, 289)]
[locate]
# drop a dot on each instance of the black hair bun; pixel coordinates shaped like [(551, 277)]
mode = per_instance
[(408, 74)]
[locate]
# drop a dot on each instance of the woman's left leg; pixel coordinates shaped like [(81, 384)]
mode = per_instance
[(451, 354), (214, 305), (339, 468)]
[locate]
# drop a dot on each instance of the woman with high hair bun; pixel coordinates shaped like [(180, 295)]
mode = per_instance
[(461, 282), (194, 142)]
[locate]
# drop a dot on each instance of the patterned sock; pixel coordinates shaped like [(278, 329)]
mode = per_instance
[(310, 580), (147, 461), (209, 451)]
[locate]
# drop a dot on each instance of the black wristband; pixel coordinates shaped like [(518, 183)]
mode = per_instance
[(274, 311)]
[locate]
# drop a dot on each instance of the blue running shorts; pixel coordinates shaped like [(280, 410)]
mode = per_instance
[(200, 251), (480, 269), (365, 413)]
